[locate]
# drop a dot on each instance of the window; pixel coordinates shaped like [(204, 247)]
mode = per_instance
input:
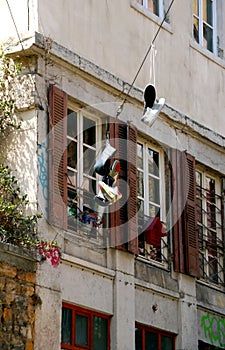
[(158, 7), (84, 329), (204, 24), (83, 133), (150, 201), (205, 346), (209, 220), (147, 338)]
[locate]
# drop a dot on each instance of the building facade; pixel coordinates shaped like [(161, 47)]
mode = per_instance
[(146, 272)]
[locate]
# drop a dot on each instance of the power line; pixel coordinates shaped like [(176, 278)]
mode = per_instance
[(144, 59)]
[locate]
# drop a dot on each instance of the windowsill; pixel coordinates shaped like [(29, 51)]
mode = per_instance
[(150, 15), (152, 262), (210, 55), (211, 285)]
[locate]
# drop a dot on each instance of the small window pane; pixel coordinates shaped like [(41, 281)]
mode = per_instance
[(66, 325), (195, 7), (207, 11), (89, 131), (167, 343), (140, 184), (140, 156), (207, 37), (138, 339), (153, 6), (89, 158), (151, 341), (154, 211), (72, 154), (72, 123), (153, 190), (153, 162), (81, 330), (100, 333)]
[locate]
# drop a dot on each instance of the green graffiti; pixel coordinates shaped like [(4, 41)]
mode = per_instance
[(214, 329)]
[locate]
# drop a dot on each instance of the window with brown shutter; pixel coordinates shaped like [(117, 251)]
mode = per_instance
[(185, 237), (123, 219)]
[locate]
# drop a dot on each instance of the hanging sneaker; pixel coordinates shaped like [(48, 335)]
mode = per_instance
[(151, 114), (112, 194), (102, 166), (111, 178), (149, 96)]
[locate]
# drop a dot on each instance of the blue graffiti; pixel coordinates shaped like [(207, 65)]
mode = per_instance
[(42, 174)]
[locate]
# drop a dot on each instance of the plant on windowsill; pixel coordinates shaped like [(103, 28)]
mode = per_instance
[(16, 228)]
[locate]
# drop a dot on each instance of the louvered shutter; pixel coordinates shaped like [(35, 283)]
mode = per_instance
[(185, 235), (133, 188), (190, 220), (123, 220), (177, 210), (57, 157)]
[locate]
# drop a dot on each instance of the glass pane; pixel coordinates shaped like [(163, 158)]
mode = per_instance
[(71, 178), (140, 184), (72, 154), (167, 343), (195, 7), (153, 190), (208, 11), (153, 6), (151, 341), (207, 37), (89, 158), (100, 333), (71, 123), (196, 29), (66, 326), (81, 330), (140, 156), (89, 131), (154, 211), (153, 162), (138, 339), (211, 201)]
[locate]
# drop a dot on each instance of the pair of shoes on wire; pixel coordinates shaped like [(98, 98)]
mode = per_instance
[(151, 108), (108, 191)]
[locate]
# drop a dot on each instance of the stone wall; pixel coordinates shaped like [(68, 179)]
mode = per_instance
[(17, 300)]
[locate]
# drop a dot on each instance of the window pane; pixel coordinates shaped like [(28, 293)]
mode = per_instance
[(207, 37), (72, 154), (151, 341), (140, 184), (153, 162), (195, 7), (166, 343), (196, 29), (138, 339), (153, 190), (81, 330), (100, 333), (153, 6), (71, 123), (89, 158), (89, 131), (154, 211), (207, 11), (66, 326), (140, 156)]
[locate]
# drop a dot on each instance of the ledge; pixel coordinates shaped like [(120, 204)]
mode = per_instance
[(18, 257)]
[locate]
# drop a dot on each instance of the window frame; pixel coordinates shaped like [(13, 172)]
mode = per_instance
[(80, 175), (201, 23), (90, 314), (159, 332), (203, 228), (148, 251)]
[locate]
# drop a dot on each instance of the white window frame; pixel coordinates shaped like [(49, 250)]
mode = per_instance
[(146, 144), (201, 22), (160, 4), (217, 230), (79, 173)]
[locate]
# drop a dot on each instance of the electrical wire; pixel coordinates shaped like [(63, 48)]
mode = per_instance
[(143, 61)]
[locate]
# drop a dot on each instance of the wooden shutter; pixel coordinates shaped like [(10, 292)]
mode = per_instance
[(57, 157), (190, 219), (133, 188), (123, 221), (185, 235)]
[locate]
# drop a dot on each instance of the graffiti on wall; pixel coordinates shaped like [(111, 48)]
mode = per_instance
[(214, 329), (42, 175)]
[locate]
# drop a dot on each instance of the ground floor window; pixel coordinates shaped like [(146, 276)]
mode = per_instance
[(204, 346), (147, 338), (84, 329)]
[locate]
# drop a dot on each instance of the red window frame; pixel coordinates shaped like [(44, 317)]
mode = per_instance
[(159, 333), (90, 314)]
